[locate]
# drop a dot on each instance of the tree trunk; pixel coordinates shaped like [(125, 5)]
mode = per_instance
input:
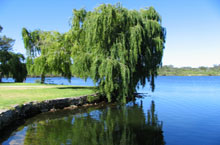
[(42, 79), (0, 77)]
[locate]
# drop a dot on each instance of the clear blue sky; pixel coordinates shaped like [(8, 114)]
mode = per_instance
[(193, 26)]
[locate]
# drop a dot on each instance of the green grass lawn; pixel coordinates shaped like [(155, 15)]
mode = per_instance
[(19, 93)]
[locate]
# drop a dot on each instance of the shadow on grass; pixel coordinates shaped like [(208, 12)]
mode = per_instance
[(76, 88), (9, 82)]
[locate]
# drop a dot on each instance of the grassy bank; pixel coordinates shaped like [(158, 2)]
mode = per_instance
[(20, 93)]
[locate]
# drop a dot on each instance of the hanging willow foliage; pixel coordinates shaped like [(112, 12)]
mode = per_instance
[(47, 53), (118, 48), (30, 40)]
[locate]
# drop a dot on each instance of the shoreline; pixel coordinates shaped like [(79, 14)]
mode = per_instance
[(10, 119)]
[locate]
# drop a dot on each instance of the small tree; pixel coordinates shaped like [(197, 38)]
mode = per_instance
[(5, 46), (31, 44), (11, 64), (47, 53), (17, 67), (118, 48)]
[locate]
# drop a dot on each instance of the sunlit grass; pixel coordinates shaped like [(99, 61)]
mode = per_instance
[(19, 93)]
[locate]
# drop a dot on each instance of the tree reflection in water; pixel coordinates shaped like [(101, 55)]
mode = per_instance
[(119, 125)]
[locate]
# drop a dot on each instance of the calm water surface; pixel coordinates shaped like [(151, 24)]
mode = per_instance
[(181, 111)]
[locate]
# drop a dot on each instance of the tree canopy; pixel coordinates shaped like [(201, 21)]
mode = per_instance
[(11, 64), (47, 53), (118, 48)]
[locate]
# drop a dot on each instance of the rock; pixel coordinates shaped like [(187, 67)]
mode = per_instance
[(21, 112)]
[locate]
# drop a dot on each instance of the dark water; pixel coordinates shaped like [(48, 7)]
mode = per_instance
[(181, 111)]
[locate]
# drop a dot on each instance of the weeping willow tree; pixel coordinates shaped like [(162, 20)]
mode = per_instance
[(47, 53), (33, 50), (118, 48)]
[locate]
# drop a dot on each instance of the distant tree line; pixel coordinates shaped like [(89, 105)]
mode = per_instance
[(169, 70)]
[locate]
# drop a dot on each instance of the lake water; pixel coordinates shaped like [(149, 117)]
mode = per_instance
[(181, 111)]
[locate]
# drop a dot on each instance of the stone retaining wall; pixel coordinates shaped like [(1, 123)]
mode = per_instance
[(20, 112)]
